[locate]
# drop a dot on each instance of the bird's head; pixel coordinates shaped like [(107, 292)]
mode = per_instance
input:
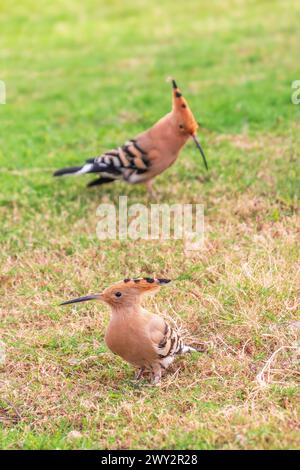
[(124, 293), (184, 119)]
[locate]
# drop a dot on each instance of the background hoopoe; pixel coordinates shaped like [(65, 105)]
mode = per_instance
[(141, 338), (140, 159)]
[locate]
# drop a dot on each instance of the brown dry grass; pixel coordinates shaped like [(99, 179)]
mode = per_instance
[(81, 78), (239, 297)]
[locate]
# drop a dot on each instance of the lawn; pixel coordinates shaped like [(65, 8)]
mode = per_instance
[(82, 77)]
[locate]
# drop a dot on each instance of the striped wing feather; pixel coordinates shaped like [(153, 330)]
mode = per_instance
[(122, 162), (166, 339)]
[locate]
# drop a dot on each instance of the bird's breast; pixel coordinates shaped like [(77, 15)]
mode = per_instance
[(131, 342)]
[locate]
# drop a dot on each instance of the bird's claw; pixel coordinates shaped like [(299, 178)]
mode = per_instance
[(139, 374)]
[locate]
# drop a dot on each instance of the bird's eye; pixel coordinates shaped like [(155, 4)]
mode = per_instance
[(181, 126), (118, 294)]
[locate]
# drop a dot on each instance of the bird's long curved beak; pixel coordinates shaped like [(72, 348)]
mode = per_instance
[(196, 140), (82, 299)]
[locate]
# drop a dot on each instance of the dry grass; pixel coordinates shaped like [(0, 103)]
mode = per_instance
[(237, 298)]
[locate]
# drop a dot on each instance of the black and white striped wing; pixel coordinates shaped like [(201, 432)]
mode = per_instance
[(171, 343), (128, 162)]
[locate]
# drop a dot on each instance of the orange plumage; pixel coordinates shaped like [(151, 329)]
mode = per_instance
[(141, 338), (150, 153)]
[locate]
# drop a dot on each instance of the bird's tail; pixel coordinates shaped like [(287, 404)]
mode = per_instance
[(187, 349), (75, 170)]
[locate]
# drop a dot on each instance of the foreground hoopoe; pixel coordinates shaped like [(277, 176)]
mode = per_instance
[(141, 338), (140, 159)]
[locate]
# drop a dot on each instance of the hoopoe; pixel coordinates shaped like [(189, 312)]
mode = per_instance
[(150, 153), (141, 338)]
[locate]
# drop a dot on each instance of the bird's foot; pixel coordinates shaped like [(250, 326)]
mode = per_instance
[(156, 381), (139, 373), (156, 377), (152, 195)]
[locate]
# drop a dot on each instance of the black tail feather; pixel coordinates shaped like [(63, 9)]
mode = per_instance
[(99, 181), (67, 171)]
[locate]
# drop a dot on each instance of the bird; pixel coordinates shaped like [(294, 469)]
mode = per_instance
[(143, 339), (148, 154)]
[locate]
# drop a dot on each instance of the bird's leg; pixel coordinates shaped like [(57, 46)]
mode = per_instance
[(151, 193), (156, 374), (139, 373), (165, 363)]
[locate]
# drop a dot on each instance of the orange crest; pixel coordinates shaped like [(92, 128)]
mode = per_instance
[(183, 110), (144, 284)]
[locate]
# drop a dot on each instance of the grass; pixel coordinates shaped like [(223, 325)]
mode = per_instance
[(82, 77)]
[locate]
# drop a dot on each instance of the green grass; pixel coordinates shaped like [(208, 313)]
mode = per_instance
[(82, 77)]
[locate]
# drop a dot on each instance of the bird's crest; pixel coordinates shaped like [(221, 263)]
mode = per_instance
[(181, 107), (185, 118), (144, 283)]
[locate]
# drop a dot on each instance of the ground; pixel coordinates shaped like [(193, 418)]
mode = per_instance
[(82, 77)]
